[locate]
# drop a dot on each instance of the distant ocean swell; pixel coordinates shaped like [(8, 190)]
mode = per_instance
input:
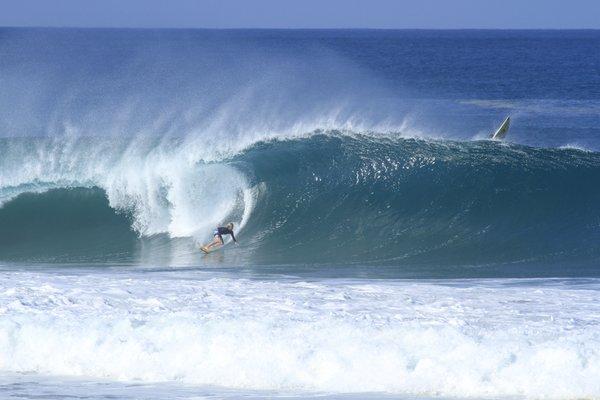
[(323, 197)]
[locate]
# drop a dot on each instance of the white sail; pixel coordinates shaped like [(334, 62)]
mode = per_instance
[(502, 130)]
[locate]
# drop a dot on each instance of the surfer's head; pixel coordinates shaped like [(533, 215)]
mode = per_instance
[(230, 226)]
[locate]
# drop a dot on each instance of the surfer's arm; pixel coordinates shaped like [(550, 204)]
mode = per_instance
[(233, 237)]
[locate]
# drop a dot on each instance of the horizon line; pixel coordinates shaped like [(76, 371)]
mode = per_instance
[(286, 29)]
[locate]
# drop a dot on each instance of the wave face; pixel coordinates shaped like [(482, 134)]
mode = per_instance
[(326, 197), (404, 201)]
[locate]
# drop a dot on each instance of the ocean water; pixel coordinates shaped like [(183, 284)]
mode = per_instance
[(387, 248)]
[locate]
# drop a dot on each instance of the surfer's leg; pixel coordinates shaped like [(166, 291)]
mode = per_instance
[(211, 244), (216, 241)]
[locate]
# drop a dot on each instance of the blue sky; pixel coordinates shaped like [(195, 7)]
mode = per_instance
[(441, 14)]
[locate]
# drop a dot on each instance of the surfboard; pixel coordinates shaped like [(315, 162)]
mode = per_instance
[(502, 131), (208, 251)]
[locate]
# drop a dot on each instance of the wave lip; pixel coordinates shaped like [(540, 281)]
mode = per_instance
[(490, 338)]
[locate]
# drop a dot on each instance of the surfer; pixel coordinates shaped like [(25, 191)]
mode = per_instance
[(218, 236)]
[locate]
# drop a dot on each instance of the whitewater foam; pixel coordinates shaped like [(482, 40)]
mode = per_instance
[(470, 338), (164, 187), (576, 146)]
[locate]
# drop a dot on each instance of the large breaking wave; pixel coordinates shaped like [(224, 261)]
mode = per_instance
[(324, 197)]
